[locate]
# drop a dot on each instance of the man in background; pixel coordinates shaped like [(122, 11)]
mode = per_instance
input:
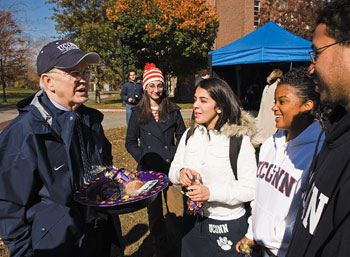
[(203, 74), (131, 93)]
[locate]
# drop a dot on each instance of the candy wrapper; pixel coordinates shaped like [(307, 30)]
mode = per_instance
[(131, 184), (194, 207), (250, 250)]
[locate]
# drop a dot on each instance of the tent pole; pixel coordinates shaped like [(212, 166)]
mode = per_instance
[(238, 80), (210, 59)]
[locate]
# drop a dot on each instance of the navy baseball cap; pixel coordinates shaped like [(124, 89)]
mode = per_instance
[(62, 54)]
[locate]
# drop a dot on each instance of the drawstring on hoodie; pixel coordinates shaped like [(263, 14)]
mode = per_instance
[(306, 192)]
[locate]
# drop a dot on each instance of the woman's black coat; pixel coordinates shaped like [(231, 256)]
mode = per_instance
[(157, 145)]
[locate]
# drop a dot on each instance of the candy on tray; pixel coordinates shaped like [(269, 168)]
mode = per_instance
[(131, 188), (112, 186)]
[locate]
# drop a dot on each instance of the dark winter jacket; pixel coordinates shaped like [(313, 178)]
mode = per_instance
[(322, 227), (133, 90), (157, 141), (39, 172)]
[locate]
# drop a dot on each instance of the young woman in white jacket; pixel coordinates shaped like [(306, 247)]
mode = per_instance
[(203, 152), (284, 162)]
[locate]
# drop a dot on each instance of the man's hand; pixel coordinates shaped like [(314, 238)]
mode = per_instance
[(129, 99)]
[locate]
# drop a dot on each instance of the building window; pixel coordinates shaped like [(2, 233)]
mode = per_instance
[(256, 13)]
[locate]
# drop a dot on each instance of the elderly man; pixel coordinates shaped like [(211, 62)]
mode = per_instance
[(323, 225), (46, 154)]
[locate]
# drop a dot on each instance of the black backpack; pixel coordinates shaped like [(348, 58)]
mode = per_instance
[(235, 146)]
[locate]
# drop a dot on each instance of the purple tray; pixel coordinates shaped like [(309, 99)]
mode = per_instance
[(90, 193)]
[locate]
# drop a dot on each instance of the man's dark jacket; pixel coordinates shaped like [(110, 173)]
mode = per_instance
[(322, 227), (157, 140), (38, 216), (130, 90)]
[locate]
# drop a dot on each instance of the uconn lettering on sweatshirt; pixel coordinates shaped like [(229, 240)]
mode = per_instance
[(313, 207), (276, 176)]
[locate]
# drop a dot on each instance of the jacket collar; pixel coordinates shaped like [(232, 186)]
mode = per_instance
[(58, 122), (308, 136), (338, 124), (246, 128)]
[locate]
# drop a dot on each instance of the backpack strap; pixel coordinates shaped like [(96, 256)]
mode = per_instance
[(235, 146)]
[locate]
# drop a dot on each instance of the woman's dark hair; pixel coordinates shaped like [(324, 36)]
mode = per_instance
[(225, 100), (299, 79), (144, 108)]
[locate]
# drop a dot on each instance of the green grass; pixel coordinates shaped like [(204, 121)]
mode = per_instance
[(112, 100), (109, 100), (14, 95)]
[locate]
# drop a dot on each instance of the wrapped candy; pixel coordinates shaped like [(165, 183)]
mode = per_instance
[(194, 207)]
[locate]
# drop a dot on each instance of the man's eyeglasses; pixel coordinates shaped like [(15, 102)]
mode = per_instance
[(317, 52), (75, 73)]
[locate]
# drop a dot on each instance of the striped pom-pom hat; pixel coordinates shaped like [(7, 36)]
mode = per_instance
[(151, 73)]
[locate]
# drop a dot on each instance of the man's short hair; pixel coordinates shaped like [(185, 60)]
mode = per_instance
[(132, 71), (42, 85), (204, 72), (336, 16)]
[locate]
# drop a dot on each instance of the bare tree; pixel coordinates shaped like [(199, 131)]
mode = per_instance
[(13, 50)]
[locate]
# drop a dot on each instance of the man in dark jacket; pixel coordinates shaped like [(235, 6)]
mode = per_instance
[(322, 227), (131, 94), (46, 154), (203, 74)]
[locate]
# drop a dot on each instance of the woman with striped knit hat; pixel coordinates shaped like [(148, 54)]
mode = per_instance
[(154, 125)]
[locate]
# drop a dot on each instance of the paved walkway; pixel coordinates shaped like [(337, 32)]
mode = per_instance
[(113, 118)]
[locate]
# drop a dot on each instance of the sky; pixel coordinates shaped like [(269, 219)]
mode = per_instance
[(33, 18)]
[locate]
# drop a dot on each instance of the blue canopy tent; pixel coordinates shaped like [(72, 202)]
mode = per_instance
[(269, 43), (246, 62)]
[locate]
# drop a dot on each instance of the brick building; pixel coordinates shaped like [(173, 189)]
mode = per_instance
[(237, 18)]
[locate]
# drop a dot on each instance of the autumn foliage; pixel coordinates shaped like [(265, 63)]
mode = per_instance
[(174, 34), (296, 16)]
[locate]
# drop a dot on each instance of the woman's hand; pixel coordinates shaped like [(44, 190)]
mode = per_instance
[(198, 193), (187, 176), (244, 245)]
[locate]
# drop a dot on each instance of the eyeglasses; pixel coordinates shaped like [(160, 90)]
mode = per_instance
[(75, 73), (152, 86), (314, 54)]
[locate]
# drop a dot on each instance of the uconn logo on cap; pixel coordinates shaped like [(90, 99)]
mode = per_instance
[(65, 47)]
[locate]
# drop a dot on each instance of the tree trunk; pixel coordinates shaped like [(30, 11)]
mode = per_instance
[(3, 81), (185, 88), (97, 94)]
